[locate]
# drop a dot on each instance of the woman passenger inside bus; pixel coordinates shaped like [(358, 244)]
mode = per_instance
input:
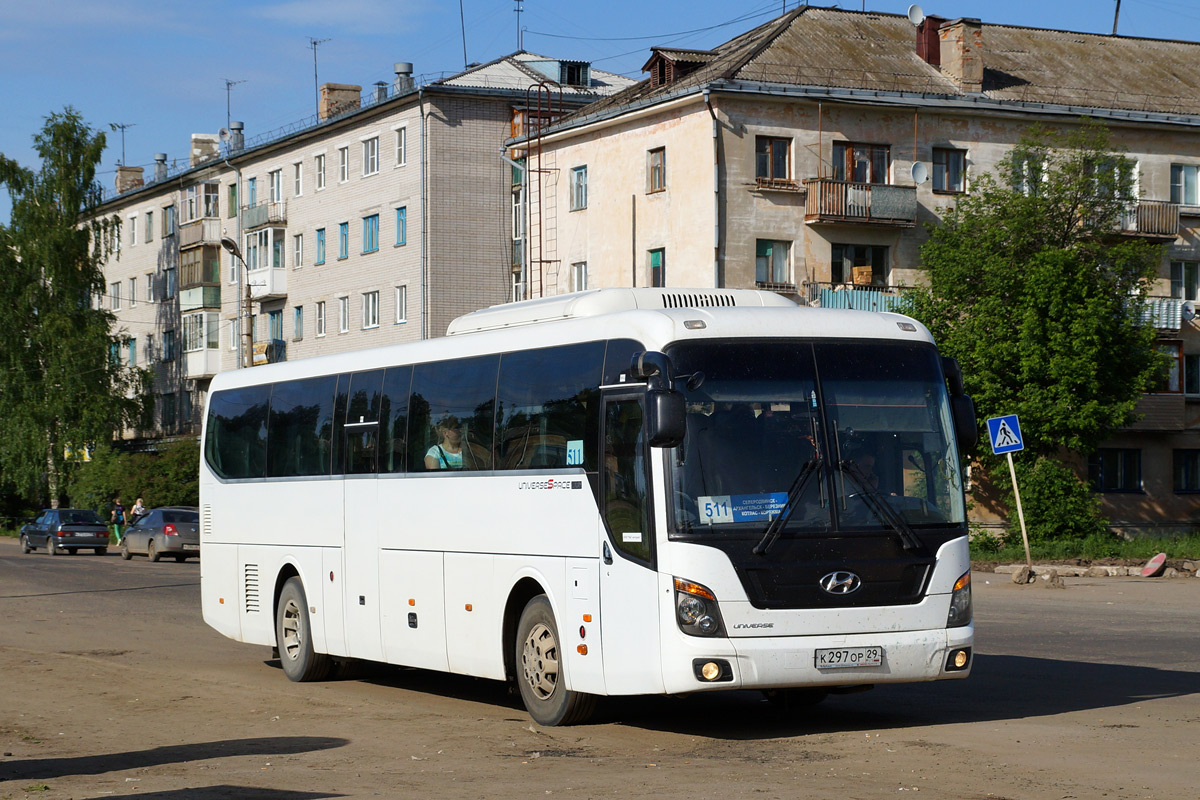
[(447, 454)]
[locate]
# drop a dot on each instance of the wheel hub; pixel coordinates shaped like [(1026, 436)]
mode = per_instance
[(539, 661)]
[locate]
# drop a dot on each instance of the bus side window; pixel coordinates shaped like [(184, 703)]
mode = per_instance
[(393, 419), (362, 422), (626, 495), (300, 427), (464, 390), (236, 446)]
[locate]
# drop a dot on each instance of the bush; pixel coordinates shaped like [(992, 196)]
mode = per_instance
[(1058, 506), (168, 477)]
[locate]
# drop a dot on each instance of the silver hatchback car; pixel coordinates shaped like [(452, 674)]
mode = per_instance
[(168, 531)]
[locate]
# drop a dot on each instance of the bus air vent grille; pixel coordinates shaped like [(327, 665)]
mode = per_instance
[(696, 300), (206, 521), (251, 588)]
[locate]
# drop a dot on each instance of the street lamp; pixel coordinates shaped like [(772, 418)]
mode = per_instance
[(232, 246)]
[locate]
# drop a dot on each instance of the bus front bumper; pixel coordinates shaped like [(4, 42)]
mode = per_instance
[(791, 661)]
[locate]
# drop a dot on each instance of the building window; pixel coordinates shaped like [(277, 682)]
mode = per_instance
[(149, 287), (771, 158), (401, 304), (1191, 374), (234, 338), (132, 292), (133, 229), (1116, 469), (320, 259), (343, 314), (401, 146), (1173, 381), (657, 267), (1187, 471), (1028, 174), (319, 171), (149, 225), (298, 322), (370, 233), (771, 267), (861, 163), (579, 276), (298, 179), (276, 182), (231, 200), (321, 318), (401, 225), (370, 156), (251, 192), (168, 411), (114, 296), (200, 331), (151, 355), (343, 239), (168, 344), (1184, 279), (656, 169), (949, 170), (275, 324), (860, 264), (169, 274), (579, 188), (168, 221), (343, 164), (1184, 180), (298, 250), (370, 310), (518, 288), (132, 345)]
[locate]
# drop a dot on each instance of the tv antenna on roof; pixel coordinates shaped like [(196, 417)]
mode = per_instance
[(122, 126), (229, 90)]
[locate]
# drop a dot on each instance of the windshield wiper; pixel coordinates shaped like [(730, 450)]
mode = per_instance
[(775, 527), (880, 507)]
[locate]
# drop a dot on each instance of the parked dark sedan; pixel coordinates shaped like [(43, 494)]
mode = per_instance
[(68, 529), (168, 531)]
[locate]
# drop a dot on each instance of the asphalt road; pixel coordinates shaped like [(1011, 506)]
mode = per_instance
[(114, 687)]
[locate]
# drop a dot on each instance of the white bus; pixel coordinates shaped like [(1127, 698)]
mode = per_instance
[(614, 492)]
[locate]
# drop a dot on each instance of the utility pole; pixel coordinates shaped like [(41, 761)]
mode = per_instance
[(228, 91), (519, 9), (1116, 14), (122, 126), (316, 87), (462, 20)]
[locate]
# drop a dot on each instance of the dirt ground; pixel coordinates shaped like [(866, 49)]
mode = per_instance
[(115, 688)]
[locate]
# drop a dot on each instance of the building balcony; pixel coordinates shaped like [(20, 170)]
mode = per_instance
[(203, 272), (257, 216), (1151, 219), (200, 232), (842, 202), (267, 284), (861, 297), (271, 351), (202, 363), (200, 297)]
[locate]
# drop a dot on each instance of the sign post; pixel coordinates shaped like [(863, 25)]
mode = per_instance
[(1005, 433)]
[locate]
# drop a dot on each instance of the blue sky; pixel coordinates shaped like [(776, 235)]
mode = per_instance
[(161, 67)]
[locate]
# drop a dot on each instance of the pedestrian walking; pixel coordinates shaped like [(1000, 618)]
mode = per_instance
[(138, 510), (117, 518)]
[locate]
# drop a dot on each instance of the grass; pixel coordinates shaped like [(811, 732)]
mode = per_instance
[(1091, 548)]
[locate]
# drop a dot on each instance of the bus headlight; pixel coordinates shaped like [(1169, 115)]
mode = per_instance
[(960, 603), (696, 609)]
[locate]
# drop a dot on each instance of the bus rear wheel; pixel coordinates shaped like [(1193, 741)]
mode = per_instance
[(540, 670), (293, 636)]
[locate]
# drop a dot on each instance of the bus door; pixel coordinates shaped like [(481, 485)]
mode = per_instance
[(360, 453), (628, 580)]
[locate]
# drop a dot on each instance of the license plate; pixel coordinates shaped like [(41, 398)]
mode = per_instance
[(191, 547), (847, 657)]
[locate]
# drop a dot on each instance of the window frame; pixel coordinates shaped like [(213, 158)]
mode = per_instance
[(656, 274), (321, 319), (656, 170), (370, 233), (344, 313), (401, 304), (401, 146), (370, 309), (343, 240), (319, 171), (343, 164), (944, 170), (370, 156), (319, 256), (844, 167), (578, 187), (766, 157), (1120, 483), (298, 179), (401, 226)]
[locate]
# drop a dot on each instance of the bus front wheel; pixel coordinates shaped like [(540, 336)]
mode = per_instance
[(293, 636), (540, 675)]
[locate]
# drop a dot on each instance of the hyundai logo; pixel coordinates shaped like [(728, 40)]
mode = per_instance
[(841, 583)]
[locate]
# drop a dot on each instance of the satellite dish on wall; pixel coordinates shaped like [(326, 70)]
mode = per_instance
[(920, 173), (223, 134), (915, 15), (1188, 310)]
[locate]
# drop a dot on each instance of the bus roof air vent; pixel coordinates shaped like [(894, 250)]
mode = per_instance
[(596, 302)]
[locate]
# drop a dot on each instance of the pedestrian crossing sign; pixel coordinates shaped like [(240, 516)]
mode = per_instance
[(1005, 433)]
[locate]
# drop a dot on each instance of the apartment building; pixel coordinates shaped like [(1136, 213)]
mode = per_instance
[(377, 221), (806, 156)]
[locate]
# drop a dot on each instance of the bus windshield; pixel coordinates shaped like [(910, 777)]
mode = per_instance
[(836, 435)]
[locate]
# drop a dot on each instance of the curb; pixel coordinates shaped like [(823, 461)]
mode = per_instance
[(1099, 571)]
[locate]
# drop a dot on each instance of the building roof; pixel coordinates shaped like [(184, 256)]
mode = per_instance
[(835, 48), (521, 70)]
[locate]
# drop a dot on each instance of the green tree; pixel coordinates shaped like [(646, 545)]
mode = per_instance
[(1034, 291), (168, 477), (61, 385)]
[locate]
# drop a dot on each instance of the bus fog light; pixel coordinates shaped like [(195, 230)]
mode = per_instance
[(959, 659), (710, 671)]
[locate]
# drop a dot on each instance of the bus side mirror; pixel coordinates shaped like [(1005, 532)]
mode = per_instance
[(966, 427), (666, 417), (954, 375)]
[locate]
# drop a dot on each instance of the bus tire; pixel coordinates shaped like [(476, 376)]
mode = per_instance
[(293, 636), (540, 670)]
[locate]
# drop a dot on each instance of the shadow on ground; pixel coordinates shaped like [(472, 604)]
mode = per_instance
[(50, 768), (222, 792)]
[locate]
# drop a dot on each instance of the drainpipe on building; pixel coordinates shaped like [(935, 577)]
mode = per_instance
[(716, 192), (243, 315), (424, 226)]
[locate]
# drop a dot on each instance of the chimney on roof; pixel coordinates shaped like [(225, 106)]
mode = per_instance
[(962, 53), (205, 147), (338, 98), (929, 47), (129, 178), (160, 167), (380, 91), (237, 136), (404, 76)]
